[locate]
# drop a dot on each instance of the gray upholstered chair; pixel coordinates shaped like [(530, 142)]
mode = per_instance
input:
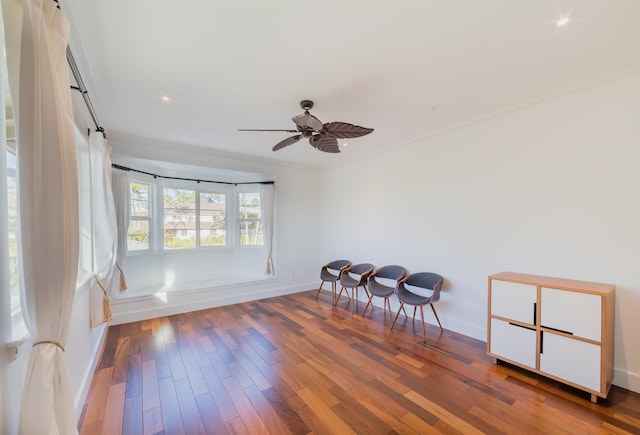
[(383, 283), (432, 283), (327, 275), (352, 278)]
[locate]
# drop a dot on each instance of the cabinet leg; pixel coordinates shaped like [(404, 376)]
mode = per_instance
[(594, 398)]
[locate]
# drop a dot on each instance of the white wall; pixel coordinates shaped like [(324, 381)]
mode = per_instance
[(296, 239), (552, 188)]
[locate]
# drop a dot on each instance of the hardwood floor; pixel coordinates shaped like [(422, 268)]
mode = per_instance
[(295, 365)]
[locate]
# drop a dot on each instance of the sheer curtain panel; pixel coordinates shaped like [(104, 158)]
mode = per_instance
[(48, 214), (268, 193), (120, 183), (105, 229)]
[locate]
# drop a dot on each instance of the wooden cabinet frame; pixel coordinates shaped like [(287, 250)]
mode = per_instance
[(606, 293)]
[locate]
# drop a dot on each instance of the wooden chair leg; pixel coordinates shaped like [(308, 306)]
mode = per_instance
[(367, 306), (354, 293), (436, 314), (340, 294), (399, 309), (320, 288), (414, 314), (424, 331)]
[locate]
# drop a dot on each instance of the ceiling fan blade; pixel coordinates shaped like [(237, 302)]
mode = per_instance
[(254, 129), (306, 121), (345, 130), (288, 141), (324, 143)]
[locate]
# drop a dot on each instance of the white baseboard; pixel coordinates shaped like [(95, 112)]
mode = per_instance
[(627, 380), (83, 391), (454, 325)]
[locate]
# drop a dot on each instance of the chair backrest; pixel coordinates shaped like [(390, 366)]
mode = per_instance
[(426, 280), (338, 264), (361, 269), (391, 272)]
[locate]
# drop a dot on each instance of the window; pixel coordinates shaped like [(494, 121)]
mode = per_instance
[(85, 259), (139, 229), (17, 323), (213, 219), (176, 216), (194, 219), (179, 218), (250, 219)]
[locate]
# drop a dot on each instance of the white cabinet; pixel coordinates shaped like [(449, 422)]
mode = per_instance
[(559, 328)]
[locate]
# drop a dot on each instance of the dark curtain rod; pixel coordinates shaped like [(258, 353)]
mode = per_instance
[(124, 168), (81, 87)]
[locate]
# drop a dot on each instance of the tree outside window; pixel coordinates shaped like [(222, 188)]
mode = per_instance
[(250, 219), (213, 219), (138, 234), (179, 218)]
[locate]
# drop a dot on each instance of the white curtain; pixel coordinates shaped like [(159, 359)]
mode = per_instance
[(120, 185), (105, 229), (48, 191), (268, 193)]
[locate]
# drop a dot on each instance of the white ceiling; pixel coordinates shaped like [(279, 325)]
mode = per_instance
[(406, 68)]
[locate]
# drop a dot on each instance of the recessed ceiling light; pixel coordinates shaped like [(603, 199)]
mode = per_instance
[(562, 21), (345, 144), (166, 99)]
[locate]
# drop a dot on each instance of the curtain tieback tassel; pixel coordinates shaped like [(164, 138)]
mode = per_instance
[(106, 303), (123, 282)]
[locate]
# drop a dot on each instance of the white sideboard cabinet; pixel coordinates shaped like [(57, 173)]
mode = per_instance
[(559, 328)]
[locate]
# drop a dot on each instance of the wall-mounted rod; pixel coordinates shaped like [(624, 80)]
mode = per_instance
[(124, 168), (83, 90), (81, 87)]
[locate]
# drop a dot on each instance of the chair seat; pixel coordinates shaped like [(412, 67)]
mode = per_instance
[(348, 281), (380, 290), (411, 298), (326, 275)]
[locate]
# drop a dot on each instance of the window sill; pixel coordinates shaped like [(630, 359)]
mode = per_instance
[(12, 348), (196, 286)]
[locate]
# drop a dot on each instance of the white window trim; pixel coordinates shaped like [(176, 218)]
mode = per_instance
[(152, 213), (237, 235)]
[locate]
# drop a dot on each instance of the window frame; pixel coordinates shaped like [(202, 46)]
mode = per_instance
[(239, 220), (226, 195), (18, 326), (150, 218)]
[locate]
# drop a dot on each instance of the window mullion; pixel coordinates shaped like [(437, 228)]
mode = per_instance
[(197, 223)]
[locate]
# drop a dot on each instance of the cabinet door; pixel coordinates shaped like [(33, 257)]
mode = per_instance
[(573, 360), (577, 313), (513, 343), (513, 301)]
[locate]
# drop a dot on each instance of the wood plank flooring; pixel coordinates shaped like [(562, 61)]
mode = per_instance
[(293, 365)]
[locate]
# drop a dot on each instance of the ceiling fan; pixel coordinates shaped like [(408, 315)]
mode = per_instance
[(323, 137)]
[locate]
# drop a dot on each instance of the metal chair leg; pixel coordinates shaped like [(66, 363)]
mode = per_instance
[(399, 309), (436, 314)]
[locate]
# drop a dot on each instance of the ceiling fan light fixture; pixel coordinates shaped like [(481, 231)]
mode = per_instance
[(323, 137)]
